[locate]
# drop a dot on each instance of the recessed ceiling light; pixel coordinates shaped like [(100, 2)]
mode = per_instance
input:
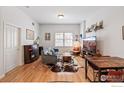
[(60, 16)]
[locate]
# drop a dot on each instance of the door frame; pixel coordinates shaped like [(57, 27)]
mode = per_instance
[(4, 28)]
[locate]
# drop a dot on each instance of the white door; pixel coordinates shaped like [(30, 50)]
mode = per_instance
[(11, 47)]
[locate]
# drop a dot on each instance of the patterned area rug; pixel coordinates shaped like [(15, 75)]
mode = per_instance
[(68, 67)]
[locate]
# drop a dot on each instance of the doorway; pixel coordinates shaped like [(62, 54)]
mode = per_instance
[(11, 47)]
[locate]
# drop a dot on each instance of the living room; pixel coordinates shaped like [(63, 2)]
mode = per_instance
[(77, 23), (83, 39), (24, 26)]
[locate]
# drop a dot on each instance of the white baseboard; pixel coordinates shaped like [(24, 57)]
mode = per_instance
[(1, 76), (21, 64)]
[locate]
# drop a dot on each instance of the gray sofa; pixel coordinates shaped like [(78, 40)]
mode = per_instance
[(48, 59)]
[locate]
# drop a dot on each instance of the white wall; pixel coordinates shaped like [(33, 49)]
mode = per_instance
[(75, 29), (1, 47), (15, 16), (82, 28), (82, 31), (109, 39)]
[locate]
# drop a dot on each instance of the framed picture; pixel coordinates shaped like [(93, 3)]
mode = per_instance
[(29, 34), (47, 36), (123, 32)]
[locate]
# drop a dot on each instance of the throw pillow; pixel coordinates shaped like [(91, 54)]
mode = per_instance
[(45, 52), (53, 52)]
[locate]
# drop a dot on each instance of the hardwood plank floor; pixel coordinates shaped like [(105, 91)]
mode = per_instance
[(37, 72)]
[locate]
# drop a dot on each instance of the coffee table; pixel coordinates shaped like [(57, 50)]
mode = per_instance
[(67, 57), (103, 63), (66, 63)]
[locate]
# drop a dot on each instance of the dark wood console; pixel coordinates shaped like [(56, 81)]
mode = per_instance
[(31, 53)]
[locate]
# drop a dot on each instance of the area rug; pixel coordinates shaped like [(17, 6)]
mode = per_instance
[(67, 67)]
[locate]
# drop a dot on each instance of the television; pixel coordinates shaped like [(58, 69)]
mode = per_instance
[(35, 50), (89, 45), (35, 46)]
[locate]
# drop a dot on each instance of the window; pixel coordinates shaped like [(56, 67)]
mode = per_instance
[(68, 39), (59, 39), (63, 39)]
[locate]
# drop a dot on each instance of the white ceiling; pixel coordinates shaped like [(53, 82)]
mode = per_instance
[(48, 14)]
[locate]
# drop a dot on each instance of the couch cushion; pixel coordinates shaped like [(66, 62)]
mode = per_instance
[(45, 52), (53, 52), (50, 51)]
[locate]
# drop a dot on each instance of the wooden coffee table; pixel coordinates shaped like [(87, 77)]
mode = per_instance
[(103, 63), (67, 57)]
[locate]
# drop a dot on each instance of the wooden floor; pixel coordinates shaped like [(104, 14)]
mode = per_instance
[(37, 72)]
